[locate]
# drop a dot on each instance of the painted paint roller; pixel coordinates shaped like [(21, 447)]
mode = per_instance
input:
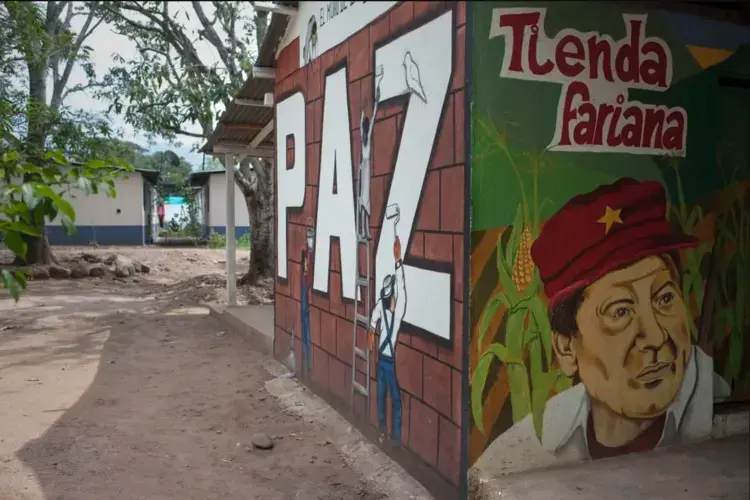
[(393, 212)]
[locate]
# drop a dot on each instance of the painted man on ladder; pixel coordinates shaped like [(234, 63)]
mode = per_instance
[(366, 126), (389, 312)]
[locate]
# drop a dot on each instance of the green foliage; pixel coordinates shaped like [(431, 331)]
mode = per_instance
[(167, 85), (174, 180), (33, 193), (217, 240)]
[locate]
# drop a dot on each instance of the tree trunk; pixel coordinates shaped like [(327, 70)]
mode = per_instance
[(39, 251), (260, 212)]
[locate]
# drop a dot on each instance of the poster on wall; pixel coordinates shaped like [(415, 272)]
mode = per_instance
[(604, 294)]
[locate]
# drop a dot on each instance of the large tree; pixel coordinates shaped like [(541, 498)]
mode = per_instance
[(169, 85), (40, 49)]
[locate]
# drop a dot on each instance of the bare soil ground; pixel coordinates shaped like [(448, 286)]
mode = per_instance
[(127, 389)]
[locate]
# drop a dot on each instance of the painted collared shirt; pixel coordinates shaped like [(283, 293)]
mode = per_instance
[(379, 313), (564, 439)]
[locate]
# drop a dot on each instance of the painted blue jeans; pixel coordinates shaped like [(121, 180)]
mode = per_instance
[(387, 382), (306, 355)]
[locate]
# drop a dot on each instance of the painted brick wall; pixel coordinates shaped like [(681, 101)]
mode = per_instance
[(429, 372)]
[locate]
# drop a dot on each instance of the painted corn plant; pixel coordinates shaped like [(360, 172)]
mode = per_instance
[(732, 304), (526, 352), (687, 217)]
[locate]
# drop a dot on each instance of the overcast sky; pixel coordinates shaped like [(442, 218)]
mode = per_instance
[(106, 43)]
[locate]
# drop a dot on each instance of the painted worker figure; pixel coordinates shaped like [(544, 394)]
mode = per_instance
[(306, 362), (365, 170), (389, 312), (610, 267)]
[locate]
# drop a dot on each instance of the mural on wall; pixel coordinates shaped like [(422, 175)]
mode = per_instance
[(306, 362), (321, 26), (389, 313), (365, 167), (310, 50), (596, 304), (369, 287)]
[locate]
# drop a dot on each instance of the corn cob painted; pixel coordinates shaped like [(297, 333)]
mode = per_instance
[(523, 267)]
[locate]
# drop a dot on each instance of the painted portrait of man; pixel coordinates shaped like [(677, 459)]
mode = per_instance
[(609, 261)]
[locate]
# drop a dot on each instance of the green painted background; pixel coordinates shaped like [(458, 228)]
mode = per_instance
[(508, 317), (527, 111)]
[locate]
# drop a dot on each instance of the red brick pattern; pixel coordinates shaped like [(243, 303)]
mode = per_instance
[(429, 373)]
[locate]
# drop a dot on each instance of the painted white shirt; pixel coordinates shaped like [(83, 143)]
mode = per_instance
[(394, 317), (365, 170), (688, 418)]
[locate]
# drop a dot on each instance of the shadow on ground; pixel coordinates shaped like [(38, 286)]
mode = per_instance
[(172, 406)]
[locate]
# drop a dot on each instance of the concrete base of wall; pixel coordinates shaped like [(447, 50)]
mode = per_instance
[(255, 323), (713, 469), (102, 235), (731, 423), (726, 424)]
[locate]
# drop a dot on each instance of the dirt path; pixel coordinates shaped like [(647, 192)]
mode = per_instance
[(128, 390)]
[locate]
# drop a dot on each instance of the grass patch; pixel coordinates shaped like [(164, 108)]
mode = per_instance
[(217, 240)]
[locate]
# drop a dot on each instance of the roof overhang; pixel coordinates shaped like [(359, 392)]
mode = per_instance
[(246, 126), (261, 72), (242, 149), (287, 9)]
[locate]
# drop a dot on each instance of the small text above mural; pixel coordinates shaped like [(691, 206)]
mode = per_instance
[(323, 25), (596, 72)]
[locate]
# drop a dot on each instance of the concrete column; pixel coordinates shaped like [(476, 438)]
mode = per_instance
[(231, 252)]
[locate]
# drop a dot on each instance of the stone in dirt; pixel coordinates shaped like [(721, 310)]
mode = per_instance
[(262, 441), (123, 267), (59, 272), (79, 270), (91, 258), (39, 273), (98, 270)]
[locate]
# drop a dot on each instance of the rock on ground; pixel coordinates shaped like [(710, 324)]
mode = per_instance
[(59, 272), (262, 441), (89, 264)]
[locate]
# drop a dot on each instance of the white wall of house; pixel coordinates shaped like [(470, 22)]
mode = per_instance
[(101, 210), (217, 209), (97, 217), (106, 220)]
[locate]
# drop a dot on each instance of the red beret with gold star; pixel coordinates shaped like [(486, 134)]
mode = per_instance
[(593, 234)]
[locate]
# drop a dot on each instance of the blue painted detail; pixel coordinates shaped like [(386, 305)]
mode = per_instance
[(709, 33), (103, 235), (239, 231)]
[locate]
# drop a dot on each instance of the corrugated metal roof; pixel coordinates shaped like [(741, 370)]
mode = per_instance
[(200, 177), (240, 124)]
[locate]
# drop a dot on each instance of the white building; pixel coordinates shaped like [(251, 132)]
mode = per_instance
[(213, 205), (126, 219)]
